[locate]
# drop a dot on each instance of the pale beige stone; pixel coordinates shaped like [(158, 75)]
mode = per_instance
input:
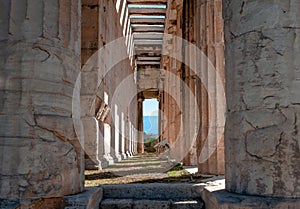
[(262, 150)]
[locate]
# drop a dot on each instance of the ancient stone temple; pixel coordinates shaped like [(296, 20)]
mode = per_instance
[(74, 75)]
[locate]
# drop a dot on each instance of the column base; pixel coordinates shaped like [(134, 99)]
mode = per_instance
[(129, 154), (92, 164), (104, 163), (107, 159), (216, 197), (117, 158), (123, 155)]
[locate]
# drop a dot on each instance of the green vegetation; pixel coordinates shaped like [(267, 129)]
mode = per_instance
[(178, 173), (149, 140)]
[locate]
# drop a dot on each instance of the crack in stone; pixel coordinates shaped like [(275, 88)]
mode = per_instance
[(68, 151), (277, 52), (277, 107), (290, 27), (279, 143), (242, 7), (66, 81), (246, 107), (251, 124), (261, 158), (272, 155), (57, 134), (262, 36), (295, 125), (44, 50), (267, 97)]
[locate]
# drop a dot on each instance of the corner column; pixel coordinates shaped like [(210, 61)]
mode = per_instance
[(262, 72), (40, 134)]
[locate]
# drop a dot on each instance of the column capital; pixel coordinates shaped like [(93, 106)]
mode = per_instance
[(141, 100)]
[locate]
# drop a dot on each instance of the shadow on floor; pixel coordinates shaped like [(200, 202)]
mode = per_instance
[(146, 168)]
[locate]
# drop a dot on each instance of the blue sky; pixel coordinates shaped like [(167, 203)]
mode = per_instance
[(150, 107)]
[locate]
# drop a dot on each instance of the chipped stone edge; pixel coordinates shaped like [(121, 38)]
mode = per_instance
[(215, 196), (89, 199)]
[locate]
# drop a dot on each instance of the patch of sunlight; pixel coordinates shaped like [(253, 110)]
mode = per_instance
[(178, 173)]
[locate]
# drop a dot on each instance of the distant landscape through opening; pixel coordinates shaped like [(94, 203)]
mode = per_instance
[(150, 120)]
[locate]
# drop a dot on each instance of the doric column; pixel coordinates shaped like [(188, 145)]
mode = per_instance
[(127, 135), (107, 143), (123, 137), (130, 140), (91, 143), (203, 106), (89, 45), (262, 87), (135, 140), (210, 40), (116, 135), (140, 142), (41, 153)]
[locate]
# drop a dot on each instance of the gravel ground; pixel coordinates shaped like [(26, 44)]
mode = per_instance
[(146, 168)]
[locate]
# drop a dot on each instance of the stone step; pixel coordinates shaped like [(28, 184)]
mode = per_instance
[(150, 204), (154, 191)]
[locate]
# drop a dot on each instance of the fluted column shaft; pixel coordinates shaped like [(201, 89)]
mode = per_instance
[(40, 133)]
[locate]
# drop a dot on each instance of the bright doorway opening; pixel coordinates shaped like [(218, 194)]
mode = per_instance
[(151, 121)]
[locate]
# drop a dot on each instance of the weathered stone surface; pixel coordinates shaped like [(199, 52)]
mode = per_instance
[(152, 196), (41, 155), (116, 204), (106, 65), (43, 119), (9, 204), (92, 143), (170, 97), (215, 196), (157, 191), (89, 199), (262, 149), (47, 203), (148, 204)]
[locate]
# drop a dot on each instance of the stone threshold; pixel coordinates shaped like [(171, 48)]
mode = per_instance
[(216, 197), (213, 194), (90, 198)]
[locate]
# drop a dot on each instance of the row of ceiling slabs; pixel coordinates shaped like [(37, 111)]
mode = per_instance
[(147, 19)]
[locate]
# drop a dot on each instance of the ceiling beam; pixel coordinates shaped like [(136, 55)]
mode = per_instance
[(147, 42), (148, 58), (151, 36), (148, 47), (148, 54), (147, 63), (151, 93), (155, 2), (152, 21), (147, 11), (147, 29)]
